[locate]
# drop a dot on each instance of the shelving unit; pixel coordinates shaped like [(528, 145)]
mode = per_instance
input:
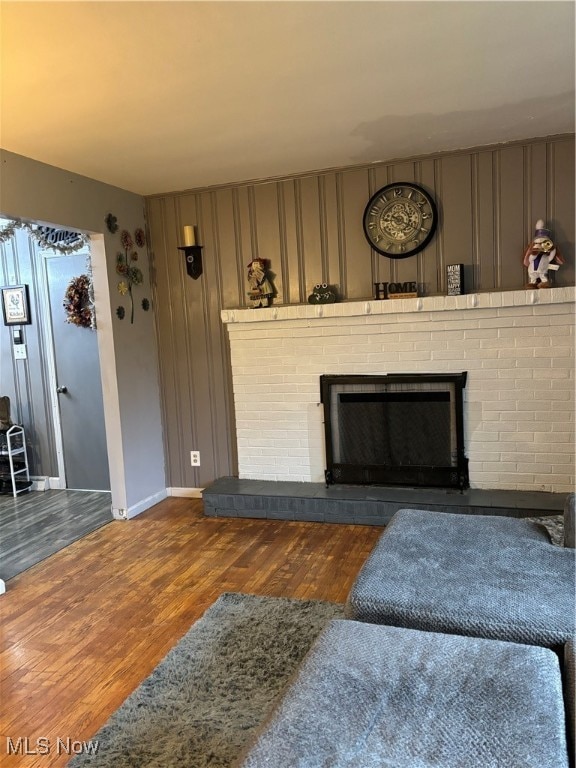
[(14, 472)]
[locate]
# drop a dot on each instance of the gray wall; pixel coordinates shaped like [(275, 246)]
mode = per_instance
[(41, 193), (310, 228)]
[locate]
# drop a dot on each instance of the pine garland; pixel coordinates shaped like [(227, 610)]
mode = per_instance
[(8, 231)]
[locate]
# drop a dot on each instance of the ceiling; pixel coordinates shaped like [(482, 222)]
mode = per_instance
[(158, 97)]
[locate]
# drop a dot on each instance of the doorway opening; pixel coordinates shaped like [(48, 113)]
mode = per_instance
[(73, 366)]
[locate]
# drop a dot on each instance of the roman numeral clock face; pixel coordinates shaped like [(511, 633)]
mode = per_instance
[(400, 220)]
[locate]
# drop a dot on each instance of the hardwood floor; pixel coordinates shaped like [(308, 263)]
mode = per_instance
[(35, 525), (82, 629)]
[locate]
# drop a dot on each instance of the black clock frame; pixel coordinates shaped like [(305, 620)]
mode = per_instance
[(429, 236)]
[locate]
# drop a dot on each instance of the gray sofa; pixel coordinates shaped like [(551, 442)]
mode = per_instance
[(369, 696), (458, 652), (493, 577)]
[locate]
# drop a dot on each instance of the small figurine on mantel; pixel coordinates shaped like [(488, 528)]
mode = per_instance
[(540, 256), (261, 290), (322, 293)]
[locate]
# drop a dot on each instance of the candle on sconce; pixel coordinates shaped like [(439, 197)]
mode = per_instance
[(189, 236)]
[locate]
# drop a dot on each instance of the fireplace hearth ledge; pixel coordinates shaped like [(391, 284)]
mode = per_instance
[(364, 505)]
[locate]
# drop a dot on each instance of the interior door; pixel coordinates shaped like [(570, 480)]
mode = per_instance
[(79, 384)]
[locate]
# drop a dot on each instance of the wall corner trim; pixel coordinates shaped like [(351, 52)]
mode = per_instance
[(141, 506)]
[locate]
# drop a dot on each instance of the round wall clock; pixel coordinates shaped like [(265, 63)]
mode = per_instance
[(400, 220)]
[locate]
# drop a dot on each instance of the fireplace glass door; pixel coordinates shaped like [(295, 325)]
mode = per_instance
[(395, 429)]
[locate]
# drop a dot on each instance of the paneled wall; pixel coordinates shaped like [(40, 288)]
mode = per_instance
[(310, 228), (26, 381)]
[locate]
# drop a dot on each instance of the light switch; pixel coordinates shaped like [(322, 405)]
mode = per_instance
[(20, 351)]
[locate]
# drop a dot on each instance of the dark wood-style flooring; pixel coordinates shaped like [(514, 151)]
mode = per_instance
[(35, 525), (81, 630)]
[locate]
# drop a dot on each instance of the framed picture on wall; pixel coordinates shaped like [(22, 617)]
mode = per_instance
[(15, 305)]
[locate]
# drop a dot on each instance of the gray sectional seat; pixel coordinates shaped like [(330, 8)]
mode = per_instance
[(369, 696), (482, 576)]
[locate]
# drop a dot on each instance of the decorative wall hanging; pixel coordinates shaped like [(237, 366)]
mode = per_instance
[(145, 305), (79, 302), (120, 312), (126, 266), (322, 293), (15, 305), (192, 253), (111, 223), (540, 256), (400, 220), (61, 240), (261, 290), (405, 290), (455, 279)]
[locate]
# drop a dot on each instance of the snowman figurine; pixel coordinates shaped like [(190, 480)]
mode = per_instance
[(540, 256)]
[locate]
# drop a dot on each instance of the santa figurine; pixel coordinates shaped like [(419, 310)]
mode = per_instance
[(540, 256), (261, 290)]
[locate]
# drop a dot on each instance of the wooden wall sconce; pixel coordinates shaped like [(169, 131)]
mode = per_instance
[(192, 253)]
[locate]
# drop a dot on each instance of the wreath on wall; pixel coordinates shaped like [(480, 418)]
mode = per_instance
[(79, 303)]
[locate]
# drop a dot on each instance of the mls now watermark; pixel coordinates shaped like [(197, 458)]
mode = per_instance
[(23, 745)]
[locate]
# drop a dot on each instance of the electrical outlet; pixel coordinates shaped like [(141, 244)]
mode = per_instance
[(195, 458)]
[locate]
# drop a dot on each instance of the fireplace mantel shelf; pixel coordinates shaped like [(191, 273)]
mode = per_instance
[(488, 300)]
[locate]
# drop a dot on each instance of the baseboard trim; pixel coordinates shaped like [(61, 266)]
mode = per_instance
[(186, 493), (141, 506), (40, 483)]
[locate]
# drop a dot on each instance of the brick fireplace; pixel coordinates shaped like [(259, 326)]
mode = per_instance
[(517, 348)]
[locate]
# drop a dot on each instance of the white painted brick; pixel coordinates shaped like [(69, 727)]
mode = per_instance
[(562, 460), (552, 479), (529, 341), (534, 362), (444, 335), (537, 468), (498, 466), (526, 326), (555, 351), (517, 456), (482, 333), (481, 479), (422, 355), (514, 373), (516, 352), (446, 354), (521, 439), (560, 395), (485, 456), (485, 437)]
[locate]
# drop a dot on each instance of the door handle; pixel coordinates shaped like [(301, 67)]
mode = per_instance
[(62, 390)]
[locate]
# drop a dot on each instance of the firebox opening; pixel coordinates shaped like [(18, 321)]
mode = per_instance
[(395, 429)]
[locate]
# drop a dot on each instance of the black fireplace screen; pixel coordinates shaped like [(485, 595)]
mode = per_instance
[(395, 429)]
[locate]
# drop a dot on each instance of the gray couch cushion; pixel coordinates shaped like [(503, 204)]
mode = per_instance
[(484, 576), (368, 696), (569, 678)]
